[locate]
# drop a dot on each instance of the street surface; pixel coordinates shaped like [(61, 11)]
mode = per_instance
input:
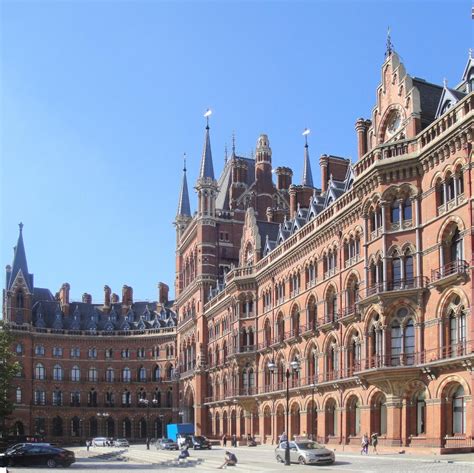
[(258, 459)]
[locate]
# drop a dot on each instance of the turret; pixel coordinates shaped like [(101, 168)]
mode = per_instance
[(183, 215), (263, 164)]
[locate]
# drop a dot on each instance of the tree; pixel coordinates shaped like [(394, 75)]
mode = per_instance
[(8, 369)]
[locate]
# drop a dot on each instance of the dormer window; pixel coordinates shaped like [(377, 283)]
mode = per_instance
[(447, 105)]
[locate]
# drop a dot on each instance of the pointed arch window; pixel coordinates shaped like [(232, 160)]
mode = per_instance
[(39, 371), (459, 411), (420, 414), (57, 373), (409, 343), (20, 302)]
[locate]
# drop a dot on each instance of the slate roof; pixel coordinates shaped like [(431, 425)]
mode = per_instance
[(207, 168), (20, 264), (184, 208), (429, 99)]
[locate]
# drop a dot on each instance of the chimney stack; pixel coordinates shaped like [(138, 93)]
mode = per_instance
[(107, 293), (163, 291), (86, 298), (127, 295), (115, 298), (64, 298), (362, 127), (323, 162), (284, 175)]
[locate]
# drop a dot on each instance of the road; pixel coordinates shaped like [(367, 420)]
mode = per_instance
[(259, 459)]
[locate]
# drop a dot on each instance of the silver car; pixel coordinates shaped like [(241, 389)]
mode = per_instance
[(305, 452)]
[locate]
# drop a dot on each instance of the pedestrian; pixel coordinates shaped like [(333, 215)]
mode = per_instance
[(229, 460), (88, 444), (184, 454), (234, 440), (224, 440), (148, 443), (375, 441), (283, 437), (364, 444)]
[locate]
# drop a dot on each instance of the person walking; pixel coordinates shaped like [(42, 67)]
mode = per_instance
[(234, 440), (364, 444), (88, 444), (224, 440), (148, 443), (283, 437), (375, 440)]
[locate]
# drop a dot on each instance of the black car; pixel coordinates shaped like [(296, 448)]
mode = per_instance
[(29, 454), (197, 442), (166, 444)]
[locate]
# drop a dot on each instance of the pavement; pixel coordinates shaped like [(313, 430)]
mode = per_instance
[(256, 459)]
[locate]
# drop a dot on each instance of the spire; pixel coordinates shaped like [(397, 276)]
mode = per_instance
[(184, 208), (389, 43), (207, 169), (307, 174), (233, 144), (20, 264)]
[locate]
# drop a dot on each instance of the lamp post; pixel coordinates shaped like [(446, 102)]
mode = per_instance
[(146, 403), (294, 365), (104, 415)]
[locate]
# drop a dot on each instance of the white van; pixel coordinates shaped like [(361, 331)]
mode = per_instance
[(99, 442)]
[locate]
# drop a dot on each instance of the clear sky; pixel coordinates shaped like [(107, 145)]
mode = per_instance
[(99, 100)]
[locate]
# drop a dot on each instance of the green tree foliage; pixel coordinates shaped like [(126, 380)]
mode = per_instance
[(8, 369)]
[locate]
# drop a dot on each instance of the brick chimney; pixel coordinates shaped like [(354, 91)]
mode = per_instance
[(115, 298), (323, 162), (127, 296), (107, 292), (86, 298), (64, 298), (284, 175), (362, 127), (163, 292)]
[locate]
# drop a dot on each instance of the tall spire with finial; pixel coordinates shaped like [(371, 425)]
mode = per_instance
[(184, 209), (233, 144), (307, 174), (207, 168), (20, 263), (389, 43)]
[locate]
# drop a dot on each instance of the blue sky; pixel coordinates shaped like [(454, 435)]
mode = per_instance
[(99, 100)]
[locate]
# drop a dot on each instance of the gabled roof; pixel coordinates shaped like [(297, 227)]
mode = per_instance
[(20, 265), (448, 98)]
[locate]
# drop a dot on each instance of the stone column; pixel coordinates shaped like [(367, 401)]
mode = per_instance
[(394, 406)]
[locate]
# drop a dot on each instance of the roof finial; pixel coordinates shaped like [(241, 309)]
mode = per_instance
[(445, 83), (225, 153), (184, 161), (389, 43), (233, 142), (21, 226), (207, 115), (306, 132), (307, 174), (470, 53)]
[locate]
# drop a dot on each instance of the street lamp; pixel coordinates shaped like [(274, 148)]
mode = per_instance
[(104, 415), (294, 365), (146, 403)]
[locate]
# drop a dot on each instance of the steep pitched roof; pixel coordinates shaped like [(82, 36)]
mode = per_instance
[(207, 168), (184, 208), (20, 264), (429, 99), (307, 174)]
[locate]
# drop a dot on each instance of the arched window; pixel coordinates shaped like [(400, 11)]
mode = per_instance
[(126, 375), (450, 189), (142, 374), (396, 342), (455, 247), (39, 350), (459, 411), (110, 375), (57, 398), (126, 398), (75, 373), (407, 209), (39, 371), (331, 305), (395, 212), (409, 273), (20, 300), (57, 373), (396, 272), (40, 397), (92, 374), (157, 373), (409, 343), (420, 414)]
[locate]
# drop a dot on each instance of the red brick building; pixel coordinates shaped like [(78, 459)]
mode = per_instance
[(358, 292), (89, 369)]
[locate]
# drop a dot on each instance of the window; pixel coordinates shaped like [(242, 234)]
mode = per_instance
[(395, 212), (75, 352), (456, 246), (57, 397), (409, 273), (75, 373), (420, 414), (142, 374), (125, 353), (396, 342), (396, 272), (58, 352), (19, 349), (18, 395), (57, 373), (109, 354), (76, 399), (92, 353), (126, 398), (409, 342), (39, 350), (40, 397), (92, 374), (109, 375), (407, 209), (126, 375), (39, 371), (459, 411), (141, 353)]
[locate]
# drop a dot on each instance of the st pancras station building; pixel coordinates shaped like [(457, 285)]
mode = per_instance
[(342, 306)]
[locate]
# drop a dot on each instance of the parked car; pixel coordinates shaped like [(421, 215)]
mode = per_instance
[(121, 443), (36, 454), (305, 452), (166, 444), (99, 442), (197, 442)]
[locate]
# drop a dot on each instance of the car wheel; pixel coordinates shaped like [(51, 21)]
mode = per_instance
[(302, 460), (51, 463), (279, 459), (10, 462)]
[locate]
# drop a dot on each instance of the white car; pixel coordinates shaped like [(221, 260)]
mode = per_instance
[(99, 442)]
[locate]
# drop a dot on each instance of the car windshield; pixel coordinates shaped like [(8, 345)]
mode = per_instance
[(14, 448), (308, 445), (199, 438)]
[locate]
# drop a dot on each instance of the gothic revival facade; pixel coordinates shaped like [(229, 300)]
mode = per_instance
[(356, 293), (89, 369)]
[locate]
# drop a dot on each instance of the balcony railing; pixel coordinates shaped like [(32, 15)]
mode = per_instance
[(454, 267), (418, 282)]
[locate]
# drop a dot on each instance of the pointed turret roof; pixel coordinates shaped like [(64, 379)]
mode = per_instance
[(307, 174), (207, 169), (20, 263), (184, 209)]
